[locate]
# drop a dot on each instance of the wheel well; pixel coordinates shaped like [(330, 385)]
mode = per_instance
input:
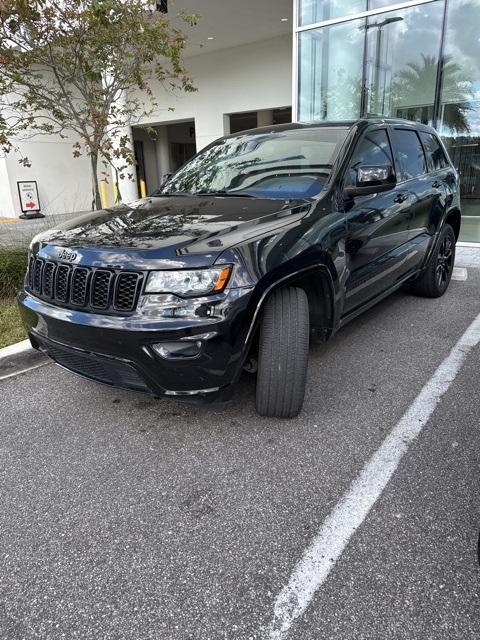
[(320, 301), (454, 220), (317, 286)]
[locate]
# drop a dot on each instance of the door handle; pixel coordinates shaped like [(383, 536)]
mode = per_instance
[(436, 184), (400, 197)]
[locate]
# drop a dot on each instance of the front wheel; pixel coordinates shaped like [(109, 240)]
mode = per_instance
[(283, 354), (435, 278)]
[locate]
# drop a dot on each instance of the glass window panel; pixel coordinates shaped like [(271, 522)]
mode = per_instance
[(410, 154), (435, 154), (459, 118), (330, 72), (311, 11), (402, 59), (378, 4)]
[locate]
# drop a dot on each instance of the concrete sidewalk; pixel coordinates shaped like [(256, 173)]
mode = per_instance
[(19, 232)]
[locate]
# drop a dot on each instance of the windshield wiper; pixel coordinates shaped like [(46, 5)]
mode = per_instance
[(224, 194)]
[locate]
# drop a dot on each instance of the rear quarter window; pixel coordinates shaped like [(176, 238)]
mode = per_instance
[(435, 153)]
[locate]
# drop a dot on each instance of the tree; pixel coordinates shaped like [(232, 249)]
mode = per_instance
[(84, 68), (415, 84)]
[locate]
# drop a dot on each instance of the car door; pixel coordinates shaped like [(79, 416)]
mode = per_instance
[(426, 186), (377, 226), (439, 188)]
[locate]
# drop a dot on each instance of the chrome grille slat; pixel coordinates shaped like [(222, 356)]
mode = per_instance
[(84, 288)]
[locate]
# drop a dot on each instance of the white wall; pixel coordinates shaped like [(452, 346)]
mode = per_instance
[(7, 209), (63, 181), (246, 78)]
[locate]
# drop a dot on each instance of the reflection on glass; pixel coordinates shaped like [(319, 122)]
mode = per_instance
[(331, 72), (311, 11), (402, 55), (378, 4), (459, 121), (283, 164)]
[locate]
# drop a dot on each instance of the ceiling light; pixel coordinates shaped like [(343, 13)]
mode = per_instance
[(283, 19), (210, 38)]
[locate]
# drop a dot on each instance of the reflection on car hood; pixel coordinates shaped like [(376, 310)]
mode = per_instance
[(176, 225)]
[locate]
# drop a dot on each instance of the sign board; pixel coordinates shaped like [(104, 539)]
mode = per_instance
[(28, 193)]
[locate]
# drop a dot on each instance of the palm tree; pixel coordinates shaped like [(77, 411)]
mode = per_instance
[(415, 85)]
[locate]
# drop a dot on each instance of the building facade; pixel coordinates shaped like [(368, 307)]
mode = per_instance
[(264, 62), (418, 60)]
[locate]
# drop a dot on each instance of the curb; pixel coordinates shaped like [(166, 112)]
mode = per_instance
[(19, 358), (14, 349)]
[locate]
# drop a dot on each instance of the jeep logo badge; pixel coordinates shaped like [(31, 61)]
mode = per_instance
[(69, 256)]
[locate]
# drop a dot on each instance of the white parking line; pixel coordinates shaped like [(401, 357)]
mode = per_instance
[(460, 274), (328, 545)]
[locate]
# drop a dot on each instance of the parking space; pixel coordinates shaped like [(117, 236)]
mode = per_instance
[(128, 517)]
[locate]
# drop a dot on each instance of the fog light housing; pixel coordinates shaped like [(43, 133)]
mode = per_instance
[(178, 350)]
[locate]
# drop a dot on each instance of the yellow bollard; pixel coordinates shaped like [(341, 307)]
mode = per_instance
[(103, 193), (143, 189)]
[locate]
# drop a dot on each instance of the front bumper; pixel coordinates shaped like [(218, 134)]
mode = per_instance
[(118, 350)]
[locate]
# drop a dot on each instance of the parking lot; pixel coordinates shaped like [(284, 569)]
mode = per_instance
[(126, 517)]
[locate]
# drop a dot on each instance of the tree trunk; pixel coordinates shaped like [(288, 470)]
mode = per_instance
[(117, 186), (96, 200)]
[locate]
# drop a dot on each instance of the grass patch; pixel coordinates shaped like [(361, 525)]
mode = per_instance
[(13, 265), (11, 327)]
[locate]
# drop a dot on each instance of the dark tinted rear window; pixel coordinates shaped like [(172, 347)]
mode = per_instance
[(435, 153), (410, 153)]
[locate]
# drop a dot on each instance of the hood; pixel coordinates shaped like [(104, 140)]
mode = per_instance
[(179, 229)]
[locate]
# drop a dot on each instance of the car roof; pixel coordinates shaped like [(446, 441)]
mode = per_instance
[(346, 124)]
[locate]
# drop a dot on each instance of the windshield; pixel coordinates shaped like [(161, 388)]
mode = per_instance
[(284, 164)]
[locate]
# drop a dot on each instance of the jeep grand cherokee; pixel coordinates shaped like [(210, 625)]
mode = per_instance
[(263, 241)]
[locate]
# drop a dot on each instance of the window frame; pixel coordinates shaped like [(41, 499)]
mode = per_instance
[(370, 129), (398, 162)]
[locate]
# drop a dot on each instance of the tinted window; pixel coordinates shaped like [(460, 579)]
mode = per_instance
[(434, 151), (274, 164), (373, 148), (410, 154)]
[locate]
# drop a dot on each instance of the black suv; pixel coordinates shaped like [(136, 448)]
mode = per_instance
[(263, 241)]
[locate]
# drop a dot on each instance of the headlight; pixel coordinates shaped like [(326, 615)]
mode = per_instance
[(198, 282)]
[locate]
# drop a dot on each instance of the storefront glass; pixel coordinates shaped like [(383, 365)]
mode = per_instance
[(387, 63), (459, 117), (311, 11), (403, 48), (331, 72)]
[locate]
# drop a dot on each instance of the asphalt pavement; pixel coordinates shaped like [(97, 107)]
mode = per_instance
[(129, 518)]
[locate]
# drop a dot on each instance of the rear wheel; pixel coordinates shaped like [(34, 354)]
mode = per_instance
[(283, 354), (435, 278)]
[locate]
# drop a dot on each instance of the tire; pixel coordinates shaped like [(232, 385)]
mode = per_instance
[(435, 278), (283, 354)]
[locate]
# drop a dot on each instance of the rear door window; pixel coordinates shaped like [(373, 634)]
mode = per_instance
[(435, 153), (410, 154)]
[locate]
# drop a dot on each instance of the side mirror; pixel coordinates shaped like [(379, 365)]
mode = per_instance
[(372, 178)]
